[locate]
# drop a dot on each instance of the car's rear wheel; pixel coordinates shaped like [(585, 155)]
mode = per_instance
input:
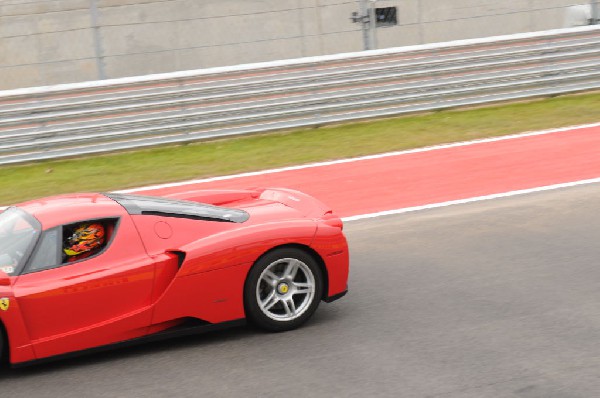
[(283, 289)]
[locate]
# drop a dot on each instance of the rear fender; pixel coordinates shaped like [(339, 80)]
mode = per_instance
[(244, 245), (210, 283), (331, 245)]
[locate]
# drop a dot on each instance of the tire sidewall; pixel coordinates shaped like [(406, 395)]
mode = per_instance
[(253, 312)]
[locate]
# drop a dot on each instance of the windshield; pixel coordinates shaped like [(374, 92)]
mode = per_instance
[(18, 233)]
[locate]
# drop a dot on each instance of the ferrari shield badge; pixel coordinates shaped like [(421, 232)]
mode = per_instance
[(4, 303)]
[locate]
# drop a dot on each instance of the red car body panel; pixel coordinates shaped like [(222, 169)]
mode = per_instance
[(158, 271), (65, 209)]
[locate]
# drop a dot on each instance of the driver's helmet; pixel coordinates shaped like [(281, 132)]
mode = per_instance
[(86, 237)]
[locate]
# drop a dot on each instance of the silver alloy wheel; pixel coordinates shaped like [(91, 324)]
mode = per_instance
[(285, 289)]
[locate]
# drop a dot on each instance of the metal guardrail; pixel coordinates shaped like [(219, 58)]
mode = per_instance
[(93, 117)]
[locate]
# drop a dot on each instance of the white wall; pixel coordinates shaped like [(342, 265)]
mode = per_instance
[(59, 41)]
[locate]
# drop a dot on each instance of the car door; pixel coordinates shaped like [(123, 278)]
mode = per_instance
[(98, 300)]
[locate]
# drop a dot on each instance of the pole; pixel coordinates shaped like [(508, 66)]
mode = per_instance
[(365, 28), (97, 40), (595, 12), (367, 18), (372, 26)]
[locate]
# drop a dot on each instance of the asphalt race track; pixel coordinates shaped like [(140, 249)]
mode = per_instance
[(490, 299)]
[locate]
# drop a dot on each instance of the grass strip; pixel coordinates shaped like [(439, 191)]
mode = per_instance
[(258, 152)]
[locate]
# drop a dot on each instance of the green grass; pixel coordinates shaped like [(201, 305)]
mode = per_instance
[(132, 169)]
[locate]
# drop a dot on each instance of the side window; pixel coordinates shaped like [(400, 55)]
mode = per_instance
[(70, 243), (47, 254)]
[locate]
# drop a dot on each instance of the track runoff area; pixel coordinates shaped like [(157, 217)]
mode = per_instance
[(437, 176)]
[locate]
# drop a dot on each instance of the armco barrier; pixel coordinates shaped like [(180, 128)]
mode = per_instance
[(100, 116)]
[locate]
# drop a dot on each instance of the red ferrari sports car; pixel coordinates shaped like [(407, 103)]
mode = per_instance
[(85, 272)]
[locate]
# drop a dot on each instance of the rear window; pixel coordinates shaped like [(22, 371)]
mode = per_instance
[(151, 205)]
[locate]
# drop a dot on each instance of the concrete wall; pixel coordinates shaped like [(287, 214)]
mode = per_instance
[(60, 41)]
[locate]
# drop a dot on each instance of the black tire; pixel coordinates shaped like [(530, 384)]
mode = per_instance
[(4, 361), (288, 301)]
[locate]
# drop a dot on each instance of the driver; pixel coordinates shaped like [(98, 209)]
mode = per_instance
[(87, 239)]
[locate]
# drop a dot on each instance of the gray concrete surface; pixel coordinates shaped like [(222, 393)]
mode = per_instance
[(493, 299), (44, 42)]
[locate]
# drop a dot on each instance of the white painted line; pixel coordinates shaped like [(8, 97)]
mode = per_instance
[(358, 159), (470, 200)]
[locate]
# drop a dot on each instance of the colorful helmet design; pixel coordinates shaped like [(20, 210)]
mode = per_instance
[(85, 238)]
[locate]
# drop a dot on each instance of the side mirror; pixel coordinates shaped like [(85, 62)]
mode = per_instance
[(4, 279)]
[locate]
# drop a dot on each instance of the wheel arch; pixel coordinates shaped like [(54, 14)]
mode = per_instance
[(311, 252)]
